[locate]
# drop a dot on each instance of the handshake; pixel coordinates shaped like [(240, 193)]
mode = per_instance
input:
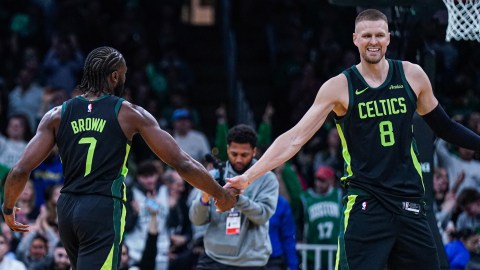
[(228, 198)]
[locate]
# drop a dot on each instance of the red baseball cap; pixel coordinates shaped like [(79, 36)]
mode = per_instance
[(325, 172)]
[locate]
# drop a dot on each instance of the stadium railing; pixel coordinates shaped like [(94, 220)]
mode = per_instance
[(317, 249)]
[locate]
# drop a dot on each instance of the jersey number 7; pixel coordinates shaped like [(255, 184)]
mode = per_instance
[(91, 149)]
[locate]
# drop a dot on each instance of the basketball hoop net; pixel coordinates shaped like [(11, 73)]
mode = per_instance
[(463, 19)]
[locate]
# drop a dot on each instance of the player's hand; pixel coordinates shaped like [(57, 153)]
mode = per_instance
[(14, 225), (205, 197), (239, 182), (227, 200), (235, 192)]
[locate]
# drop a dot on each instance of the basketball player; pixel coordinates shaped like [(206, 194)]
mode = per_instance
[(384, 220), (94, 132)]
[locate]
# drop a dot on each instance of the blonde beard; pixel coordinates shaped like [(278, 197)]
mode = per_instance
[(370, 60)]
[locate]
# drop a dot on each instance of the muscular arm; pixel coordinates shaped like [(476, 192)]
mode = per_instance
[(135, 119), (333, 95), (434, 115), (36, 151)]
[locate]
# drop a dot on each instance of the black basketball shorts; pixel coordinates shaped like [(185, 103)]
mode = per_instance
[(91, 229), (375, 238)]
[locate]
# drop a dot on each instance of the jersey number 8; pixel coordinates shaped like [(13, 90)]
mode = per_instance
[(386, 133)]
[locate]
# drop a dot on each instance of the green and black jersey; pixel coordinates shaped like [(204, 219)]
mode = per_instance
[(93, 147), (379, 148), (322, 214)]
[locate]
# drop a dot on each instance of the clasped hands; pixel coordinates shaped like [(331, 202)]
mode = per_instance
[(234, 187)]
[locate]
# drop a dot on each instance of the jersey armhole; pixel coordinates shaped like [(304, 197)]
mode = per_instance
[(411, 94), (118, 105), (64, 107), (340, 119)]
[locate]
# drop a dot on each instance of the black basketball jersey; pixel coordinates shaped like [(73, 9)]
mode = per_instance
[(93, 147), (379, 148)]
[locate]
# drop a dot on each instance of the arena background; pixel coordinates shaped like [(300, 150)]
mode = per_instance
[(244, 54)]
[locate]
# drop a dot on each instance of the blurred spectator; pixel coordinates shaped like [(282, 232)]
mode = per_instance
[(149, 254), (7, 262), (178, 224), (31, 60), (180, 100), (469, 201), (322, 207), (44, 228), (13, 145), (282, 236), (331, 155), (458, 251), (48, 173), (125, 260), (149, 195), (192, 141), (51, 97), (461, 165), (3, 106), (37, 249), (264, 132), (320, 145), (26, 98), (289, 177), (52, 193), (26, 202), (63, 63), (30, 247), (444, 202), (12, 238), (474, 122), (59, 260)]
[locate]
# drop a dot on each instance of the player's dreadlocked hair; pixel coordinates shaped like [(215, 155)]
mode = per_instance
[(99, 64)]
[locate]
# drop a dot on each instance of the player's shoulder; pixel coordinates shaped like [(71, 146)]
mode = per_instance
[(131, 109), (335, 84), (411, 69), (338, 80), (134, 114), (415, 75), (52, 118)]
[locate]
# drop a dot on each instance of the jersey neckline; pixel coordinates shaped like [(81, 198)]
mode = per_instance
[(387, 80), (95, 100)]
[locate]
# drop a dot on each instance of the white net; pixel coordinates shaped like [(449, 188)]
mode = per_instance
[(463, 19)]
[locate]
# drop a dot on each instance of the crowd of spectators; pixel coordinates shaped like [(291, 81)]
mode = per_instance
[(43, 45)]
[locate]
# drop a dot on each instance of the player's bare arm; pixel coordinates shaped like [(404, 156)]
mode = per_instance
[(332, 96), (36, 151), (420, 83), (134, 119)]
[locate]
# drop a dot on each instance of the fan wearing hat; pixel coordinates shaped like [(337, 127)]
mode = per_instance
[(321, 213), (192, 141)]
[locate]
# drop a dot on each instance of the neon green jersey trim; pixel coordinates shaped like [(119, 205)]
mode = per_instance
[(345, 153), (417, 165)]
